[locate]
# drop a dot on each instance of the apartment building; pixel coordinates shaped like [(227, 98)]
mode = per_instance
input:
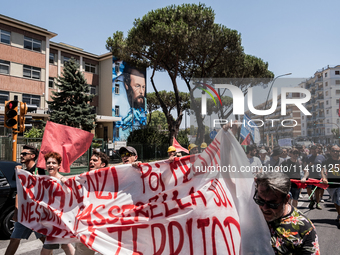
[(324, 87), (276, 125), (30, 63)]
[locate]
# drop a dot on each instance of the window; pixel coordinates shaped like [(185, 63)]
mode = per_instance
[(51, 82), (326, 102), (303, 117), (326, 93), (51, 58), (337, 72), (117, 65), (327, 111), (32, 44), (66, 59), (94, 110), (90, 68), (4, 96), (4, 67), (328, 131), (117, 132), (32, 72), (337, 81), (303, 124), (5, 36), (327, 120), (303, 132), (337, 101), (325, 74), (31, 99), (93, 90), (337, 111), (117, 110), (337, 92), (117, 88), (326, 83)]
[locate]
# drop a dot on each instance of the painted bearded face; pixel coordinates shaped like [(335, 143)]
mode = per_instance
[(136, 89)]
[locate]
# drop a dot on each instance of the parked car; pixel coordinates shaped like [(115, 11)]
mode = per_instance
[(115, 157), (8, 191)]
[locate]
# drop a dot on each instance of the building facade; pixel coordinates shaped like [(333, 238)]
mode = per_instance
[(324, 87), (30, 64), (276, 126)]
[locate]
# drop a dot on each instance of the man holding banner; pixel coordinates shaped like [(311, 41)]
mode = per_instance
[(28, 157), (98, 160), (332, 169), (162, 209)]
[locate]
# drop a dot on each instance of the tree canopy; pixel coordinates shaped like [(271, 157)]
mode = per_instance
[(184, 41), (158, 120), (71, 105)]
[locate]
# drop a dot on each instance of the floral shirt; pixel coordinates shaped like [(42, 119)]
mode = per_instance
[(294, 234)]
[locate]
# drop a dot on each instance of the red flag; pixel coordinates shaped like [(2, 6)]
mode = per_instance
[(246, 140), (69, 142), (310, 181), (178, 146)]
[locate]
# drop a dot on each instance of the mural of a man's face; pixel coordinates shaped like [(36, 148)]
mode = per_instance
[(136, 89)]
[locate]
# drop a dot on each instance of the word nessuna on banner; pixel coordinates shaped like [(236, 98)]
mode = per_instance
[(131, 218)]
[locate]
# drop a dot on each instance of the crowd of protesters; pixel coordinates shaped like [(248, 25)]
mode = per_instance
[(317, 162), (275, 194)]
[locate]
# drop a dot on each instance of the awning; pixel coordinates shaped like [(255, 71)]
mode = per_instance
[(103, 118)]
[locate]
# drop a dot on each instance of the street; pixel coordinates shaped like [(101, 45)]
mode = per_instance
[(324, 221)]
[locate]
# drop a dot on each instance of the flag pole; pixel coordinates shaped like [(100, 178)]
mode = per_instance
[(313, 192)]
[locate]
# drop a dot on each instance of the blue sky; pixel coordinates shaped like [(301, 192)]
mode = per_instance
[(292, 36)]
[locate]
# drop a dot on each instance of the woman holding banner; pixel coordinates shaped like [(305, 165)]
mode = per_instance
[(53, 162)]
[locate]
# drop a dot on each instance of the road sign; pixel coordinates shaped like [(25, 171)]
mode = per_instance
[(213, 134)]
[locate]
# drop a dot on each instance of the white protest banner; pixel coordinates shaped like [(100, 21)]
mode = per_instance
[(161, 208)]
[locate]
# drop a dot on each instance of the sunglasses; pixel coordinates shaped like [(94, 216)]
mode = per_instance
[(25, 153), (126, 154), (261, 202)]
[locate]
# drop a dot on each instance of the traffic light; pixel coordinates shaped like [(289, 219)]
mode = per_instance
[(11, 114), (24, 121)]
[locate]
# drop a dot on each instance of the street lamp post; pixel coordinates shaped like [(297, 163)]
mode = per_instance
[(270, 89)]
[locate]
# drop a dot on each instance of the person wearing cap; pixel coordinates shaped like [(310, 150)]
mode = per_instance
[(291, 231), (203, 146), (275, 161), (193, 149), (313, 162), (172, 153), (129, 155), (263, 156)]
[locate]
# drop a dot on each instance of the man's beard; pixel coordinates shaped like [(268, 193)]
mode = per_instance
[(138, 103)]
